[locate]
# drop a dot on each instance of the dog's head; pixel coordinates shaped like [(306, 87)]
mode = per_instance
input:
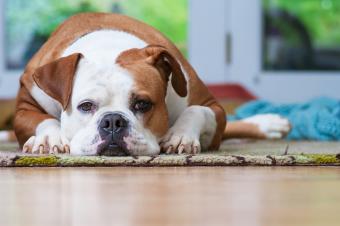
[(116, 109)]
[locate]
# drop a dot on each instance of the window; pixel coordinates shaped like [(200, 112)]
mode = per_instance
[(285, 50), (30, 23), (301, 35)]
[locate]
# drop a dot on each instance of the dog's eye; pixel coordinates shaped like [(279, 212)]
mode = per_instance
[(87, 107), (142, 106)]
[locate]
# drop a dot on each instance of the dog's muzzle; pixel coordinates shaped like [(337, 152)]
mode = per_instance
[(112, 128)]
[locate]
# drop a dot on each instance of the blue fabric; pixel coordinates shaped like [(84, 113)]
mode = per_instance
[(318, 119)]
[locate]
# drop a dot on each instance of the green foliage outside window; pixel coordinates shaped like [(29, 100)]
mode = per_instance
[(320, 17), (30, 23)]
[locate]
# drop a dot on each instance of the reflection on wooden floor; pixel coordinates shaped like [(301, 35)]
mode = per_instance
[(170, 196)]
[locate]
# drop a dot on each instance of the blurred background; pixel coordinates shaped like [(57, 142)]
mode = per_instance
[(278, 50)]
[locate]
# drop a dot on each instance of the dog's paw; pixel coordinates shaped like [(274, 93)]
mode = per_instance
[(272, 126), (52, 143), (180, 142)]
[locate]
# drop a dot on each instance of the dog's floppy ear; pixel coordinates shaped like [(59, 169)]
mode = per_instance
[(56, 78), (164, 61), (160, 58)]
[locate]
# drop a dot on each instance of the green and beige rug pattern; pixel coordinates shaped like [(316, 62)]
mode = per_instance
[(231, 153)]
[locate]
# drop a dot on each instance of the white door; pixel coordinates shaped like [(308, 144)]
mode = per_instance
[(207, 24)]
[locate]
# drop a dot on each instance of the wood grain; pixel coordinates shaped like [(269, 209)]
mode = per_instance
[(170, 196)]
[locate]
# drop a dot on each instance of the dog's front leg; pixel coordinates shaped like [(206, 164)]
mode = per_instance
[(37, 131), (193, 130), (47, 139)]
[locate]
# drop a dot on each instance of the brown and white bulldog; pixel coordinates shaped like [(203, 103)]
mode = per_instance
[(106, 84)]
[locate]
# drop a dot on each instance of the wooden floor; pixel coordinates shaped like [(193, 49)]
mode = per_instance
[(170, 196)]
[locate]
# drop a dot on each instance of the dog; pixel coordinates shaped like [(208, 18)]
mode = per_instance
[(107, 84)]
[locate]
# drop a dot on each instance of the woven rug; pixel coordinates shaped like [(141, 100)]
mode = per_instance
[(231, 153)]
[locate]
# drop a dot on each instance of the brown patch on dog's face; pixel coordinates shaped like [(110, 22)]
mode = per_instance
[(161, 59), (151, 86)]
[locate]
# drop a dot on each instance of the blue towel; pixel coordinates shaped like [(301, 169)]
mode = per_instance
[(318, 119)]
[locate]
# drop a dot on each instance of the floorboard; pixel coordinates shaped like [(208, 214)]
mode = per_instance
[(170, 196)]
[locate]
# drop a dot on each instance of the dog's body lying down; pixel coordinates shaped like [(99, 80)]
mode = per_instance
[(108, 84)]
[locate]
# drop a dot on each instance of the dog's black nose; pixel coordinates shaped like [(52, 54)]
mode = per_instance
[(113, 123), (112, 128)]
